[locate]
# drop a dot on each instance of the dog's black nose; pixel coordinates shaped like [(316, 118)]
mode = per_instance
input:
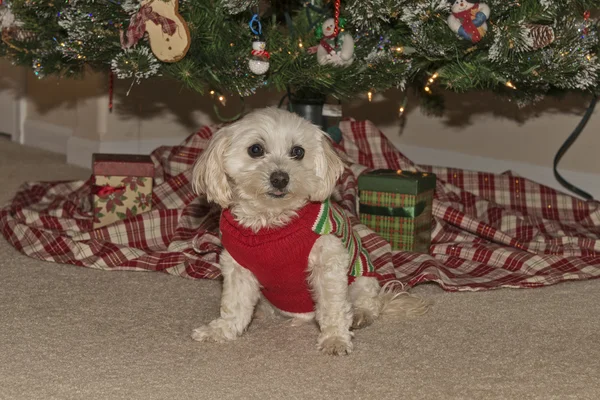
[(279, 179)]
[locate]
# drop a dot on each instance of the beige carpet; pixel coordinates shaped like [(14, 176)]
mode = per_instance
[(76, 333)]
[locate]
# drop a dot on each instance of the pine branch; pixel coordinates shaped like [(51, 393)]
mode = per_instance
[(398, 44)]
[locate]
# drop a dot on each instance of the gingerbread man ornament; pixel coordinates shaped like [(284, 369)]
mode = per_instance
[(167, 31)]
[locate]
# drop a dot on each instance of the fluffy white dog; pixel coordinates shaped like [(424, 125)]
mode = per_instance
[(288, 248)]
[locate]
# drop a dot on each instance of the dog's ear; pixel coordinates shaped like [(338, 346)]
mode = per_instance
[(328, 166), (209, 175)]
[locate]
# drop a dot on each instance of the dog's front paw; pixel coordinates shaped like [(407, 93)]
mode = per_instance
[(217, 331), (335, 345)]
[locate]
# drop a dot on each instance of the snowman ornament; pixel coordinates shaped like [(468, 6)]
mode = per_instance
[(7, 18), (468, 19), (259, 57), (167, 31), (335, 50)]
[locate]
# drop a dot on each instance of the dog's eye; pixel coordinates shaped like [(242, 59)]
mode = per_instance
[(297, 153), (256, 150)]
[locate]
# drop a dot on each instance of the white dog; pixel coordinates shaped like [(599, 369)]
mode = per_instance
[(287, 247)]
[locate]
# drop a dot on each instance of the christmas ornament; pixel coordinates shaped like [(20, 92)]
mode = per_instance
[(168, 32), (137, 63), (259, 57), (541, 35), (17, 34), (7, 18), (334, 48), (238, 6), (468, 19), (585, 27), (336, 16), (12, 31)]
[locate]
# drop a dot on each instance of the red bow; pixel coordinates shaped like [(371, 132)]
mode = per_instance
[(106, 190), (137, 26)]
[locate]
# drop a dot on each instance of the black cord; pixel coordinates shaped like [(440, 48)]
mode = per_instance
[(563, 149), (320, 11), (317, 9), (290, 24), (282, 100), (308, 17), (235, 117)]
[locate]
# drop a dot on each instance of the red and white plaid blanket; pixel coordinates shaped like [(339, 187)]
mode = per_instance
[(490, 231)]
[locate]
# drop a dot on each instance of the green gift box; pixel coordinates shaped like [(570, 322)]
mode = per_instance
[(397, 205)]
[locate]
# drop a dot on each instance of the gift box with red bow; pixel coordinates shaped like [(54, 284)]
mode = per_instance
[(122, 187)]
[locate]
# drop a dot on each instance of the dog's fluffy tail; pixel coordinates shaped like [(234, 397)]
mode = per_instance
[(396, 301)]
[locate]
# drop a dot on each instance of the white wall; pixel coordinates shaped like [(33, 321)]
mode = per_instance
[(486, 126), (477, 131)]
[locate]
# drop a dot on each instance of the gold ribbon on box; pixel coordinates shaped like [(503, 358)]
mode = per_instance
[(403, 212)]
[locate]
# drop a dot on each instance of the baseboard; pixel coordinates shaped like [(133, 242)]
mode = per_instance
[(9, 125), (588, 182), (79, 150), (47, 136)]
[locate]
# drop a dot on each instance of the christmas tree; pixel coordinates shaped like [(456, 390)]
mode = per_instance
[(524, 49)]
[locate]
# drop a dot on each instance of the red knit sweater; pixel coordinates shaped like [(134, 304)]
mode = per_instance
[(278, 257)]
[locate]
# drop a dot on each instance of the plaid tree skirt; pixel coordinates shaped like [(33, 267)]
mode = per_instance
[(490, 231)]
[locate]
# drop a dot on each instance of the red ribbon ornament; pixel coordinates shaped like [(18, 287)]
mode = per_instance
[(137, 26), (336, 17)]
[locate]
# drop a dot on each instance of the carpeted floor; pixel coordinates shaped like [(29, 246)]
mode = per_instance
[(75, 333)]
